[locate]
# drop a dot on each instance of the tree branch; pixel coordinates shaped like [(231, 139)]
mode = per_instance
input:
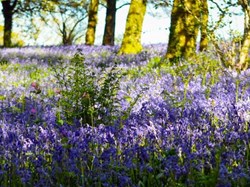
[(218, 6), (14, 4), (125, 4), (102, 4), (75, 25)]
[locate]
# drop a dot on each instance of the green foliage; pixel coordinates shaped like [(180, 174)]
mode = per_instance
[(86, 97), (153, 66), (4, 62)]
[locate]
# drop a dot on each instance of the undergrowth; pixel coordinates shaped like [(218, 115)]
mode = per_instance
[(87, 96)]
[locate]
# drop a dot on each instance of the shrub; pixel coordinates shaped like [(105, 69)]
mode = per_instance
[(86, 96)]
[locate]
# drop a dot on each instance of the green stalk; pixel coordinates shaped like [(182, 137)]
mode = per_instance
[(237, 83)]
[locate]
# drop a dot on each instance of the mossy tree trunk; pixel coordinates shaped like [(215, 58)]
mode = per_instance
[(109, 31), (244, 51), (183, 30), (92, 22), (204, 25), (8, 12), (131, 43)]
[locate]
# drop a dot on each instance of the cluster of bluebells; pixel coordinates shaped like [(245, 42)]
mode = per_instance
[(95, 55), (170, 132)]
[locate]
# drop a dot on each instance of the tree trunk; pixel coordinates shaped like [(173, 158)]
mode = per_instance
[(204, 25), (8, 20), (7, 30), (183, 30), (246, 9), (243, 60), (243, 56), (92, 22), (109, 31), (64, 35), (131, 43)]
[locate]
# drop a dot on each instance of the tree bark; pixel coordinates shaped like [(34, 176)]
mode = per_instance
[(109, 31), (183, 30), (131, 43), (92, 22), (243, 56), (8, 11), (243, 59), (204, 25)]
